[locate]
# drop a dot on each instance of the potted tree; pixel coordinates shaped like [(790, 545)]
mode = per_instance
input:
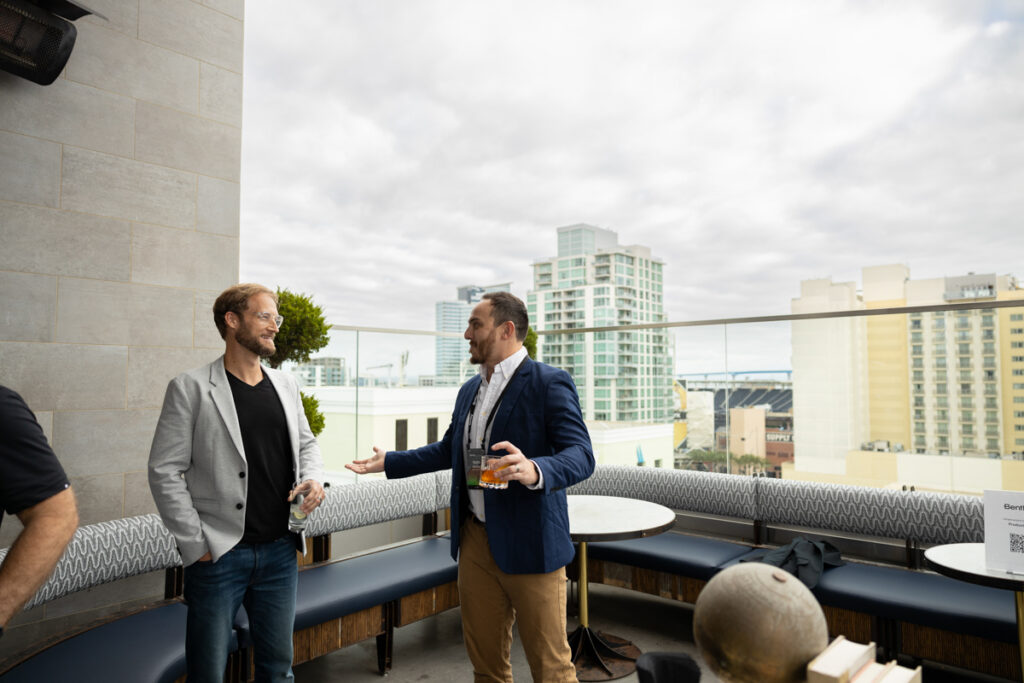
[(305, 330)]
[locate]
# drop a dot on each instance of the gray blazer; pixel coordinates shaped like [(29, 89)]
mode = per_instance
[(197, 468)]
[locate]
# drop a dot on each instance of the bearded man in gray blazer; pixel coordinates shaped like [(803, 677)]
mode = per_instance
[(231, 449)]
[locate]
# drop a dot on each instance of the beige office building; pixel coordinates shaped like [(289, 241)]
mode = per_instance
[(926, 383)]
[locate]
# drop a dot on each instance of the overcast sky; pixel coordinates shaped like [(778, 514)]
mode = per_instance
[(394, 149)]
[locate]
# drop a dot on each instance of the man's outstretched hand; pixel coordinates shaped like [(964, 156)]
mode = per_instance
[(370, 465)]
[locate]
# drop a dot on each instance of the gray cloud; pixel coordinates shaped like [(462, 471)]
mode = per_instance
[(395, 150)]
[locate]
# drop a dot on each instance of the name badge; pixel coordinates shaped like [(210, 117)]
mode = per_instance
[(475, 458)]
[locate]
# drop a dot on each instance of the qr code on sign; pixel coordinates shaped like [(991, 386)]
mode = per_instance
[(1016, 543)]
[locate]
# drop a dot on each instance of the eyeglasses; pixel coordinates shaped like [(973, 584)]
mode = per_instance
[(266, 317)]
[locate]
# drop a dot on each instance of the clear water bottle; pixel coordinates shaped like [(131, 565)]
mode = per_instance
[(296, 517)]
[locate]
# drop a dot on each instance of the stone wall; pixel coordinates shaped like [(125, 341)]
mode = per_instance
[(119, 213)]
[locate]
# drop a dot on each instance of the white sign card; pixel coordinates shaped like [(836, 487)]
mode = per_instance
[(1004, 531)]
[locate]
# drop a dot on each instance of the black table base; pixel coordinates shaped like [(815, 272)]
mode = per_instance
[(600, 656)]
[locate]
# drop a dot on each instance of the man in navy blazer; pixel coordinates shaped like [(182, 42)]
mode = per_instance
[(522, 419)]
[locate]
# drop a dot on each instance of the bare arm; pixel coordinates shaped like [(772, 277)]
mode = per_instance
[(49, 525)]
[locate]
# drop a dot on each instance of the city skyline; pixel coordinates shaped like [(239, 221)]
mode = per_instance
[(751, 145)]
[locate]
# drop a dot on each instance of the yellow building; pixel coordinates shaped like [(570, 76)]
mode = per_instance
[(932, 382)]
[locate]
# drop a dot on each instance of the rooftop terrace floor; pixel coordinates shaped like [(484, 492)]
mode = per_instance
[(432, 650)]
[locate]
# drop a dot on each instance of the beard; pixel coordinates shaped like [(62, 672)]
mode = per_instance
[(478, 351), (261, 347)]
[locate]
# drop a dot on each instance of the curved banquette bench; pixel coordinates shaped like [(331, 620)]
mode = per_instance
[(144, 645), (907, 611), (348, 599), (338, 602)]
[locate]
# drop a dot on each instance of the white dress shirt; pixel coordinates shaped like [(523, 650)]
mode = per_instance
[(486, 401)]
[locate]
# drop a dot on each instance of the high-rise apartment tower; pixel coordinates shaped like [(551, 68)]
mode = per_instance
[(595, 282)]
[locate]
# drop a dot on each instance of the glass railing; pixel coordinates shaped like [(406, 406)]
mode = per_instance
[(842, 397)]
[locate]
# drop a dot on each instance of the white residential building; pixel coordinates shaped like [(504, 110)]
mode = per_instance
[(622, 376)]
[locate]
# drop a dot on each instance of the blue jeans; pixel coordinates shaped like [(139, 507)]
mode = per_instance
[(263, 578)]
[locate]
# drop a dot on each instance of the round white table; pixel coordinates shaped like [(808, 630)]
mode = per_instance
[(601, 657), (966, 562)]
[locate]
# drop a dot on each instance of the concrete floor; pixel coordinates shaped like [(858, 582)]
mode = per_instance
[(432, 650)]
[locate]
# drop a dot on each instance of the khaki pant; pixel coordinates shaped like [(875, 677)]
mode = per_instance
[(491, 601)]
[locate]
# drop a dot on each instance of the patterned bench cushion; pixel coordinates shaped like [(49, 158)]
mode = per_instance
[(109, 551), (372, 501), (443, 480), (920, 516), (706, 492)]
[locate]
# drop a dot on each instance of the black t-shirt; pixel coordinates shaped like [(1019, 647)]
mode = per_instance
[(29, 470), (268, 453)]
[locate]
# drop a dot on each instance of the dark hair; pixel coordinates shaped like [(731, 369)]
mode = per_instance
[(236, 299), (506, 307)]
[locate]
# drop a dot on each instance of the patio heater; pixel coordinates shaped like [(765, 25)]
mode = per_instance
[(37, 36)]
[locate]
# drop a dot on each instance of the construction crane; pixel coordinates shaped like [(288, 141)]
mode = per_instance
[(383, 365)]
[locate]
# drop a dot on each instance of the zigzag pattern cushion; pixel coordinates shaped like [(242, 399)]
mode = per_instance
[(708, 492), (109, 551), (926, 517), (878, 512), (444, 489), (946, 518), (372, 501)]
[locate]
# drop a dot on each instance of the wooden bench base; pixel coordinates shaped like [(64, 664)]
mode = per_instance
[(672, 586), (991, 657), (968, 652), (322, 639), (378, 621)]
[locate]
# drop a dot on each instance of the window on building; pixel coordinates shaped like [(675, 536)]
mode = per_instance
[(431, 429), (401, 435)]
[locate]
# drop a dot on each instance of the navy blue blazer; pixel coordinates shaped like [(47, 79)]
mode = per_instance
[(539, 413)]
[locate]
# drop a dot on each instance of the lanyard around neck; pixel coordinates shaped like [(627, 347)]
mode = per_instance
[(490, 416)]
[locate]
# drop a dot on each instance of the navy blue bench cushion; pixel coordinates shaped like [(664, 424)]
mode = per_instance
[(145, 647), (335, 589), (920, 598), (692, 556)]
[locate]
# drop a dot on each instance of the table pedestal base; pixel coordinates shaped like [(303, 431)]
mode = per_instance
[(600, 656)]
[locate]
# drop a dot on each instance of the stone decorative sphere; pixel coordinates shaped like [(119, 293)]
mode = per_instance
[(756, 622)]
